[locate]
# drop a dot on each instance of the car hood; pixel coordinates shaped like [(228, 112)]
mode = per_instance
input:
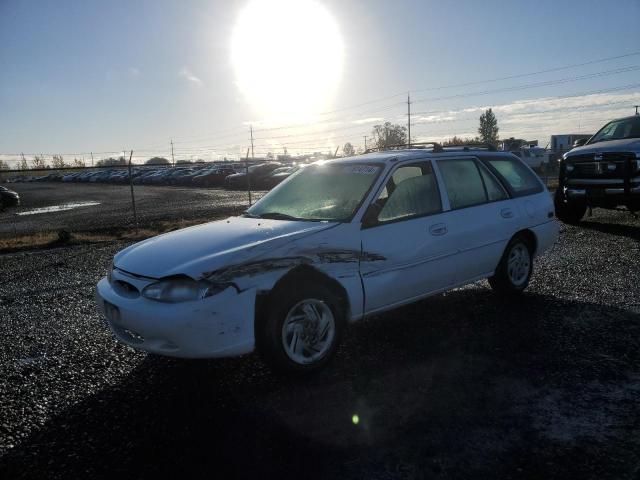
[(623, 145), (210, 246)]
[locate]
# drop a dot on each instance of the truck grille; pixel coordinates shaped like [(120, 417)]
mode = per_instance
[(608, 165)]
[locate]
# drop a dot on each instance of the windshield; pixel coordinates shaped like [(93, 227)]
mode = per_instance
[(618, 129), (330, 192)]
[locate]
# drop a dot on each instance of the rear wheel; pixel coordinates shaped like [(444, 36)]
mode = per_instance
[(568, 212), (302, 329), (515, 267)]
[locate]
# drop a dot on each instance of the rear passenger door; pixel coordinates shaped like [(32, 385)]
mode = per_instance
[(482, 217)]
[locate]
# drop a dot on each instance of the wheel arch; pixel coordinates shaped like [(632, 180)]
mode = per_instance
[(530, 237), (289, 280)]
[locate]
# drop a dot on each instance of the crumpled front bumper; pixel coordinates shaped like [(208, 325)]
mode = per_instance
[(219, 326)]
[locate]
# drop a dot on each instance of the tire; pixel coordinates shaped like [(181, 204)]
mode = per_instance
[(515, 268), (566, 212), (282, 340)]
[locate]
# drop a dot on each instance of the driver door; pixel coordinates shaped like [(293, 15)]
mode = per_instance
[(406, 250)]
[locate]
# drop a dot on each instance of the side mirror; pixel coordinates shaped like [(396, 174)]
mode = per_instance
[(370, 217), (579, 142)]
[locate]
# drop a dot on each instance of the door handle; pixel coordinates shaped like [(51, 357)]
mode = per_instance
[(438, 229), (506, 213)]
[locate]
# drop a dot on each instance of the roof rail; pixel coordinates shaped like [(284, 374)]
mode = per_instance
[(402, 146), (466, 146)]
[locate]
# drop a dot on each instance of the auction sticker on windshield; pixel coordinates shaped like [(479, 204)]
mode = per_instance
[(361, 169)]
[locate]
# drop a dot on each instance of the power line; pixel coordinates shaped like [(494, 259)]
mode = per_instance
[(521, 75), (559, 97), (534, 85)]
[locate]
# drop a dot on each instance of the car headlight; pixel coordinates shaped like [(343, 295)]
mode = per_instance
[(181, 290)]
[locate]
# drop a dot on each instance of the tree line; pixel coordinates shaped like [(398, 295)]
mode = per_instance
[(388, 134), (383, 136)]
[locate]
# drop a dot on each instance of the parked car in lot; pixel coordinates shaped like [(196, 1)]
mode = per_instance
[(335, 242), (602, 172), (8, 198), (256, 173), (140, 179), (269, 181), (213, 177), (534, 157), (187, 178), (155, 178)]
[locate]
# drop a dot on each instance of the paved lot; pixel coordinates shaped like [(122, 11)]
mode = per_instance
[(111, 206), (464, 384)]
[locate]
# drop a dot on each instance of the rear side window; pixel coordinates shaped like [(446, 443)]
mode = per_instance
[(495, 192), (463, 183), (517, 176)]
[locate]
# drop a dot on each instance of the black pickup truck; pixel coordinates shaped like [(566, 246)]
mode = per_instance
[(603, 171)]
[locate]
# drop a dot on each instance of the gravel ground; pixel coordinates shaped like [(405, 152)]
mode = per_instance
[(113, 209), (462, 385)]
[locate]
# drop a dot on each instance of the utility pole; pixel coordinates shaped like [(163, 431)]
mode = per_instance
[(246, 166), (251, 133), (92, 159), (365, 143), (173, 160), (636, 108), (409, 118), (133, 198)]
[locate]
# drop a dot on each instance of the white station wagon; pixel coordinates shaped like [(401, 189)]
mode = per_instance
[(337, 241)]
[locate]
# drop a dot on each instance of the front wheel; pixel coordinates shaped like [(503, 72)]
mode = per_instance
[(302, 329), (566, 211), (515, 267)]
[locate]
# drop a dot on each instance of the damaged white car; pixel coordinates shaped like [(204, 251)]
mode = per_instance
[(337, 241)]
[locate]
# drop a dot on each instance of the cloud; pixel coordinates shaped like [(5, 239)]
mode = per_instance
[(537, 118), (368, 120), (186, 73)]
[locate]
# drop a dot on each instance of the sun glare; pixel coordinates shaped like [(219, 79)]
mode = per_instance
[(287, 57)]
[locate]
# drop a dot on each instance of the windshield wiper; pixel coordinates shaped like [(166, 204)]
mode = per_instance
[(277, 216)]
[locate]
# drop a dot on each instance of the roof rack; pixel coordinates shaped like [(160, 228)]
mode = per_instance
[(466, 146), (402, 146)]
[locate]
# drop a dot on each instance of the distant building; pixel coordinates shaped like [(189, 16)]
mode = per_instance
[(564, 142), (559, 144)]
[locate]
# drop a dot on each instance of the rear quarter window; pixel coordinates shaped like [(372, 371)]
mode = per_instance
[(517, 177)]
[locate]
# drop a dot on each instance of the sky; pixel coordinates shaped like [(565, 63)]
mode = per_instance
[(104, 76)]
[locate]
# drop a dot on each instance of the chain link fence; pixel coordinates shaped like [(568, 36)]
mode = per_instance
[(98, 203), (63, 204)]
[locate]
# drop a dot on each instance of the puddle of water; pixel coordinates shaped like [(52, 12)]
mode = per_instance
[(58, 208)]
